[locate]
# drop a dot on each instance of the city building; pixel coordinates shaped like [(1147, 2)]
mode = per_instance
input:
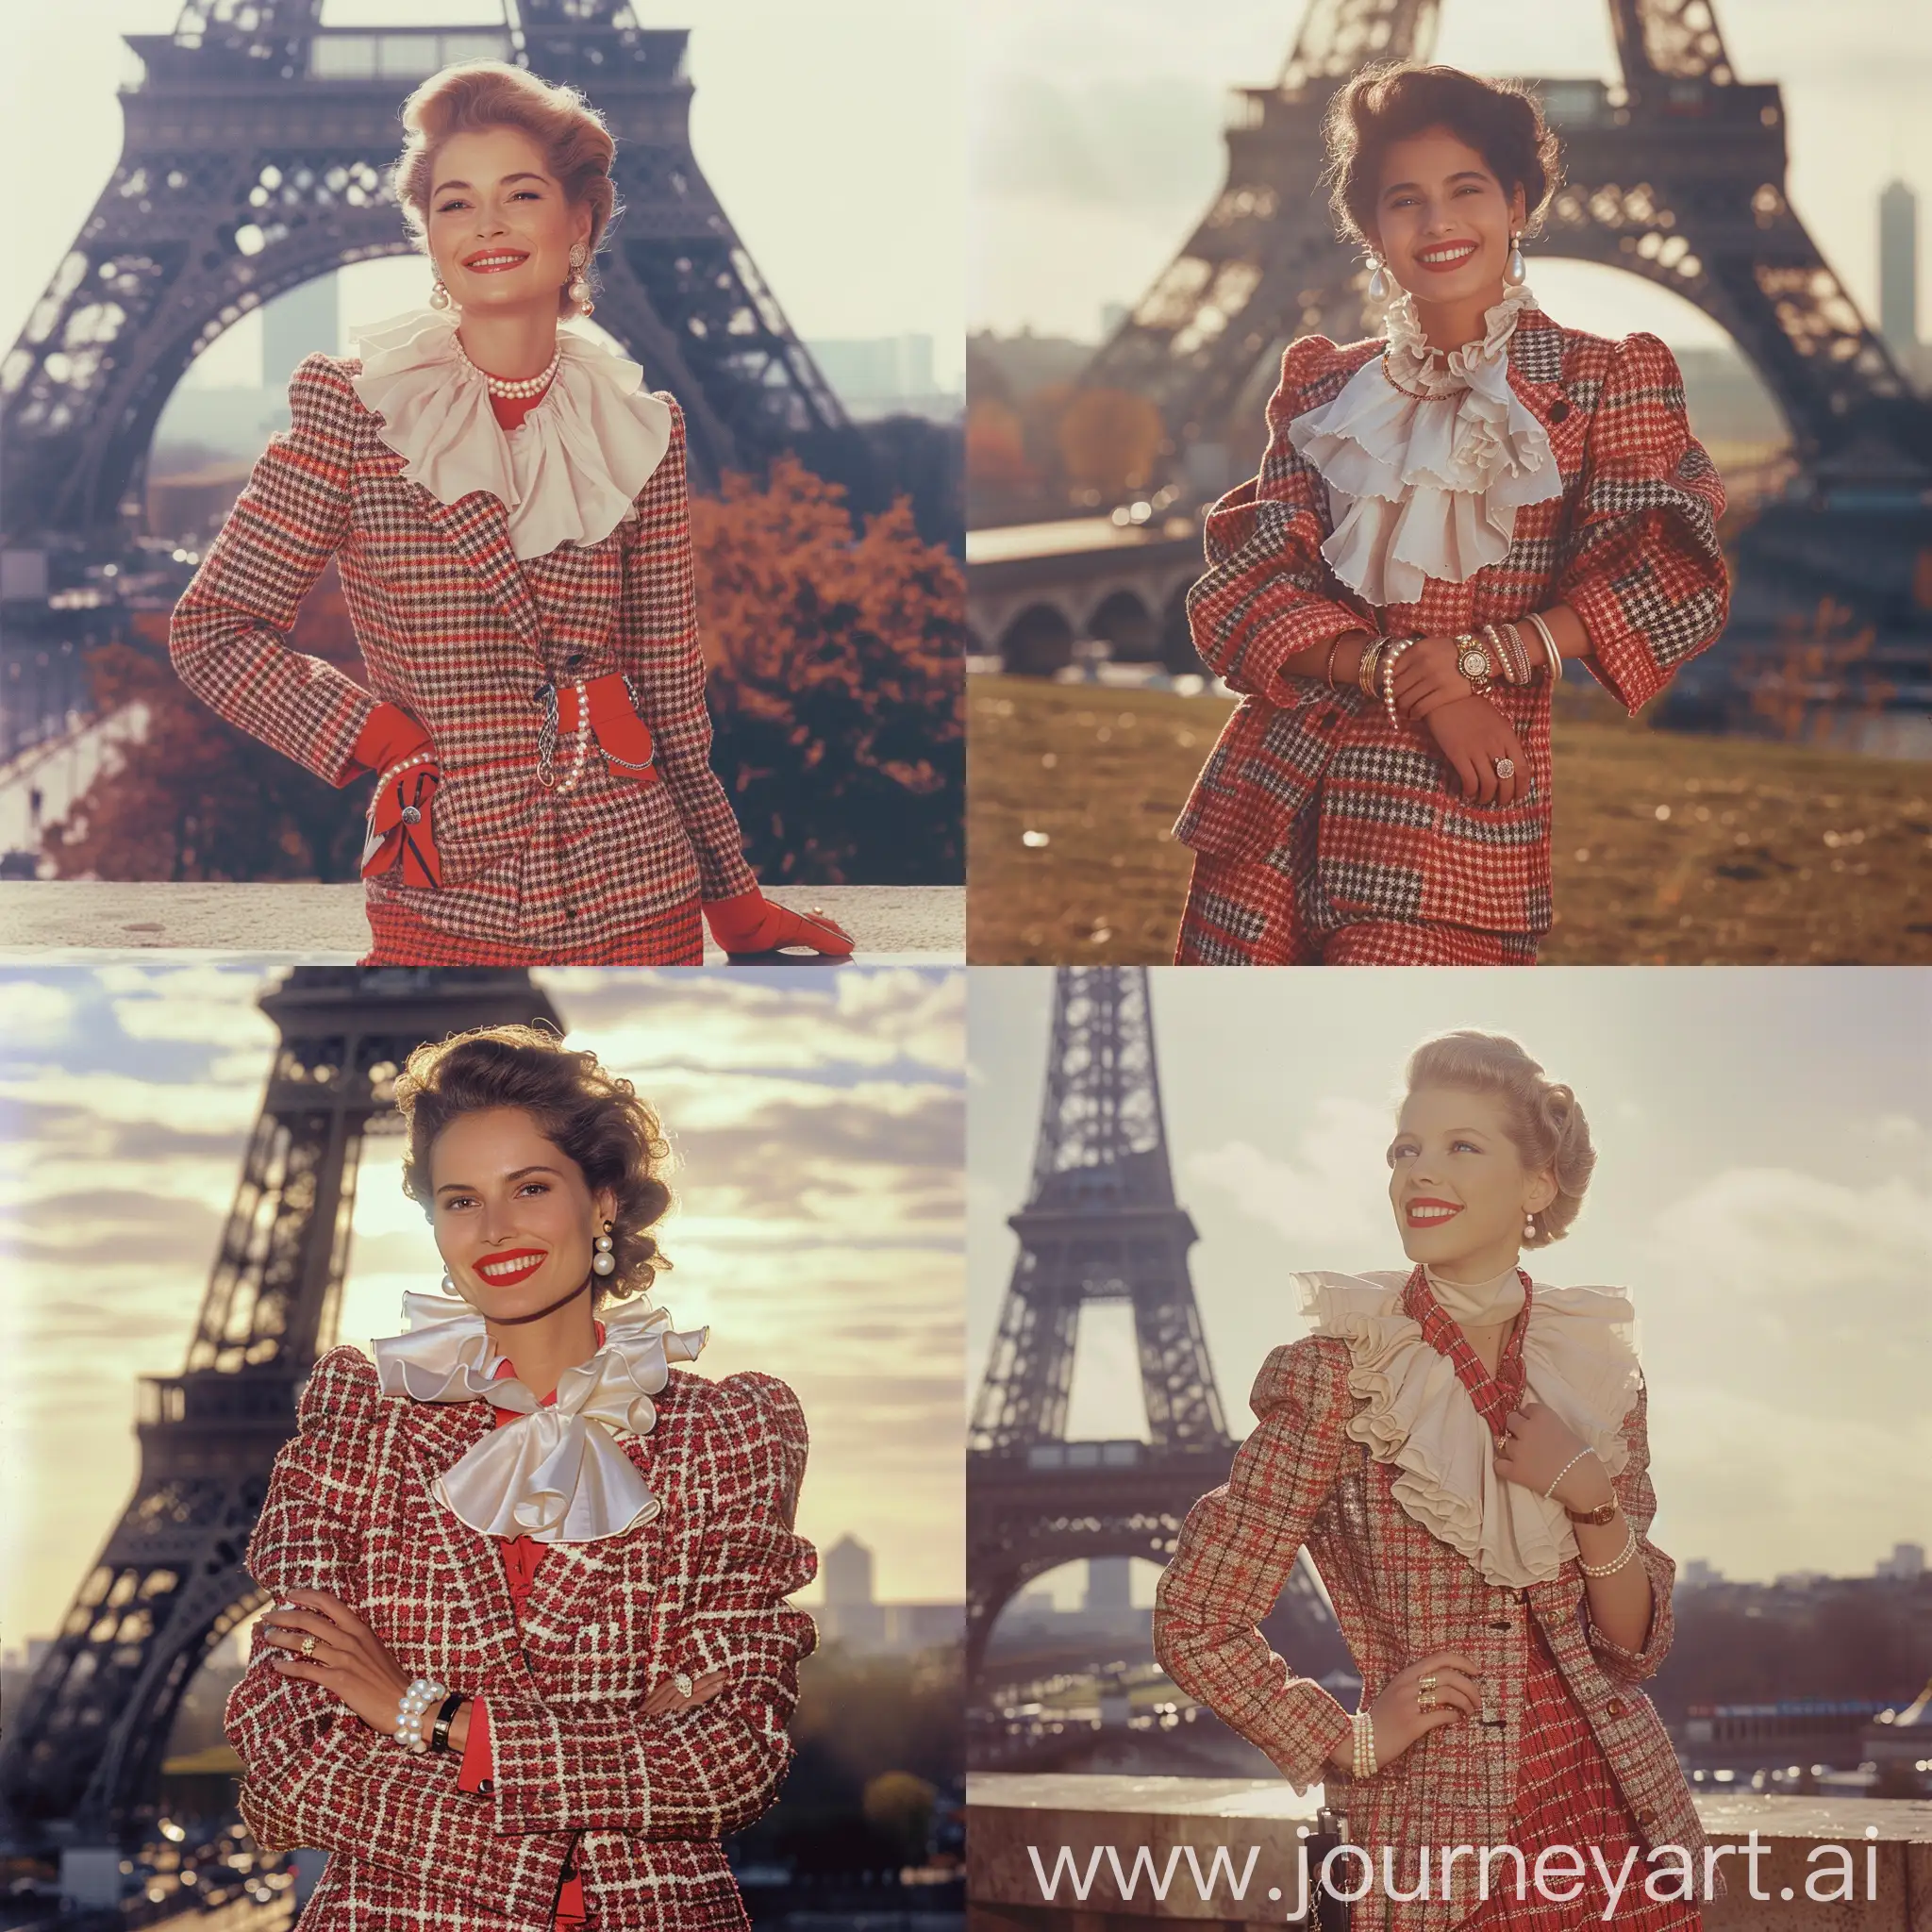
[(1898, 271), (853, 1616), (886, 376)]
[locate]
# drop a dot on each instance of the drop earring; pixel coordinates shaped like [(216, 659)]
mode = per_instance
[(439, 296), (605, 1261), (579, 288), (1378, 281), (449, 1286), (1514, 272), (1528, 1226)]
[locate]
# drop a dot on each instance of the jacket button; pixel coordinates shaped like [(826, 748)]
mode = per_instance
[(1328, 721), (1558, 410), (574, 661), (1615, 1707), (1648, 1820)]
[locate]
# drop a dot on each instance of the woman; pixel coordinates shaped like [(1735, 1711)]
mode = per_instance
[(506, 506), (1463, 1453), (1443, 517), (530, 1656)]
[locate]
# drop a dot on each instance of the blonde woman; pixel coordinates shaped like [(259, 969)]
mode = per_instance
[(1462, 1452), (505, 505)]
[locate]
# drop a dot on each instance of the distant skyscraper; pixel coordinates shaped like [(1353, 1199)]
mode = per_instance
[(1109, 1582), (1898, 269), (297, 325), (848, 1573)]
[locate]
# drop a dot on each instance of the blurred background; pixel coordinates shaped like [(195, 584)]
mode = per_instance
[(790, 266), (159, 1221)]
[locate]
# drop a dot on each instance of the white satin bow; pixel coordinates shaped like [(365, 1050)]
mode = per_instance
[(556, 1474)]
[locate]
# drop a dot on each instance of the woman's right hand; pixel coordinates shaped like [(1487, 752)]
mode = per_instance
[(1397, 1712), (1472, 736)]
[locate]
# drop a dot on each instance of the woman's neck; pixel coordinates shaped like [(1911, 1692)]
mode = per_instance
[(511, 348), (543, 1345), (1447, 326)]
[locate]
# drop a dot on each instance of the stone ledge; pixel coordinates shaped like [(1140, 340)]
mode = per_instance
[(70, 920), (1008, 1812)]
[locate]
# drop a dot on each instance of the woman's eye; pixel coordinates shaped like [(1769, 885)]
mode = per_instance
[(1464, 1147), (533, 1187)]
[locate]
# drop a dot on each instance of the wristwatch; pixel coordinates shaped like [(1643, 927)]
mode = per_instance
[(1473, 660), (1603, 1513)]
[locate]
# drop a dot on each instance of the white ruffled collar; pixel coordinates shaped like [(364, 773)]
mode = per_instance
[(567, 473), (1577, 1357), (557, 1472), (1427, 462)]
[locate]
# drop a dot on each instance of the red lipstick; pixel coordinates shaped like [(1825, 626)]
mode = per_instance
[(507, 1269)]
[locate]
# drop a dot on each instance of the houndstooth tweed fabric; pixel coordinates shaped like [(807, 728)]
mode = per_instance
[(1399, 1594), (460, 635), (1631, 546), (703, 1587)]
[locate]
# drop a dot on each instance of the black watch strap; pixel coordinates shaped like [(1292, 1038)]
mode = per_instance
[(439, 1734)]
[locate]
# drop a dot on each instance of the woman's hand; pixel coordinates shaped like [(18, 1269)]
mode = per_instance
[(1536, 1448), (346, 1659), (1473, 736), (1406, 1710), (667, 1698), (1427, 678)]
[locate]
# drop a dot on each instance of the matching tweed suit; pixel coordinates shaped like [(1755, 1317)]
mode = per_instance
[(1314, 818), (459, 634), (701, 1588)]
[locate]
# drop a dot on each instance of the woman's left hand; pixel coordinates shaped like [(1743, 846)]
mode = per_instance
[(1426, 678), (1536, 1447), (347, 1659)]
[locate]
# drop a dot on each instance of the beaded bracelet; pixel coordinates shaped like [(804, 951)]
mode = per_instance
[(1628, 1550), (1389, 661), (1363, 1727), (1507, 642), (412, 1706), (1549, 1493)]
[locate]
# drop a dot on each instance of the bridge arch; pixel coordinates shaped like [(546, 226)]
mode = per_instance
[(1038, 641)]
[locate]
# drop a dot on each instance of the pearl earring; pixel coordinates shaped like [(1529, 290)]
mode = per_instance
[(604, 1261), (579, 289), (1515, 272), (1379, 282), (439, 296), (1528, 1226), (449, 1286)]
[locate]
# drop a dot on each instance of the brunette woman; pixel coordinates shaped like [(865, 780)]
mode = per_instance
[(530, 1656), (1462, 1452), (1444, 518), (505, 505)]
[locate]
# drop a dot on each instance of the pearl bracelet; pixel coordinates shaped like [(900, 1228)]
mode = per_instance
[(412, 1707), (1363, 1725), (1628, 1550), (1549, 1494)]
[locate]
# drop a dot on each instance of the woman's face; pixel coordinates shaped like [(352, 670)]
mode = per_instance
[(500, 229), (1443, 220), (514, 1218), (1457, 1185)]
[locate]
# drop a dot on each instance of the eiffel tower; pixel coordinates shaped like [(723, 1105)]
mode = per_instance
[(82, 1756), (258, 153), (1101, 1224)]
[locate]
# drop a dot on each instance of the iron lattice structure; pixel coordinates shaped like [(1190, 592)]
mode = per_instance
[(1101, 1224), (1677, 173), (82, 1756), (258, 154)]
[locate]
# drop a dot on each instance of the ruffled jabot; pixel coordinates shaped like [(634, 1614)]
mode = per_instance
[(557, 1472), (1427, 462), (567, 473), (1577, 1358)]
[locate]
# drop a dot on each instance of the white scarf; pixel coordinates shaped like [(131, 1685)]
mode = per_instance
[(1577, 1358), (567, 473), (1426, 465), (557, 1472)]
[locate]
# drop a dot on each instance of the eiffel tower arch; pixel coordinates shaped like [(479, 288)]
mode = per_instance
[(1101, 1224), (81, 1757), (257, 156)]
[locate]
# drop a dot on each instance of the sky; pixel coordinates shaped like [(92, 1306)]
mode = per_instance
[(1763, 1190), (833, 134), (1096, 138), (817, 1123)]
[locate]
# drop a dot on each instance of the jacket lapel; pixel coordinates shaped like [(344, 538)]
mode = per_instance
[(477, 527), (1536, 370)]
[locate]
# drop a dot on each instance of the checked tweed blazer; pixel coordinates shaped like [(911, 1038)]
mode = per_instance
[(1399, 1593), (702, 1588), (1631, 546), (459, 633)]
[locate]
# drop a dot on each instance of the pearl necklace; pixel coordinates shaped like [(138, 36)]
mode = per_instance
[(517, 387)]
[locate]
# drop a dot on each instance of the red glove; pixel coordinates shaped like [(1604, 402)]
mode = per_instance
[(401, 824), (751, 924)]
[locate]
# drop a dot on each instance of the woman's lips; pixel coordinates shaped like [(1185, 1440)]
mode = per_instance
[(1445, 264), (494, 265), (505, 1271), (1429, 1213)]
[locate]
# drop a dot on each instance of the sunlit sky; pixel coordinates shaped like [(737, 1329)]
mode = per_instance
[(1096, 133), (1763, 1190), (833, 134), (817, 1118)]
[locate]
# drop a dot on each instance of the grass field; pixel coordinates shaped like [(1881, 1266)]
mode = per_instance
[(1669, 849)]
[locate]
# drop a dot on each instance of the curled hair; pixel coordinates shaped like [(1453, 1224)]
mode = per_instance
[(585, 1113), (1394, 100), (475, 96), (1542, 1116)]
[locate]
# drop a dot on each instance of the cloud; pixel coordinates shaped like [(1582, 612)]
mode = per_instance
[(36, 1010)]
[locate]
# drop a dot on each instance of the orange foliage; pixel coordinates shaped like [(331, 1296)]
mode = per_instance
[(996, 448), (1109, 439)]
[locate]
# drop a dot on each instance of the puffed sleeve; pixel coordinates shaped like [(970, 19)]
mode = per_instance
[(1641, 565), (1638, 1498), (227, 636), (313, 1772), (712, 1769), (658, 646), (1235, 1554), (1267, 593)]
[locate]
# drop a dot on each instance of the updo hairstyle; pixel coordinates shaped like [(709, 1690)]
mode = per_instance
[(1393, 100), (1543, 1117), (475, 96), (585, 1112)]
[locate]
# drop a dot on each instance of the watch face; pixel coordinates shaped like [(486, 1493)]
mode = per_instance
[(1473, 664)]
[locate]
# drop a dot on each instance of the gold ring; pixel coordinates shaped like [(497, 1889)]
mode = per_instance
[(309, 1645), (1423, 1701), (1428, 1683)]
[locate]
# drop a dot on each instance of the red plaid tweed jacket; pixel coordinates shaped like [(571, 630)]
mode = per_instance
[(350, 1509), (459, 634), (1399, 1593), (1631, 546)]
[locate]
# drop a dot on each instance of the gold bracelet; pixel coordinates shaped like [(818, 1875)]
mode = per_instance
[(1365, 666), (1472, 661), (1628, 1550), (1549, 643), (1329, 669), (1363, 1725)]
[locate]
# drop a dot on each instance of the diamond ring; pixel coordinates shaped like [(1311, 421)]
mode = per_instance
[(1505, 768)]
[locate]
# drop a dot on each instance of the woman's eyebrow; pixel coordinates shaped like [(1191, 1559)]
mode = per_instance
[(515, 1174), (524, 175), (1415, 186)]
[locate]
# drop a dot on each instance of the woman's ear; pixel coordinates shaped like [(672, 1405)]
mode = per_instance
[(604, 1206), (1519, 210)]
